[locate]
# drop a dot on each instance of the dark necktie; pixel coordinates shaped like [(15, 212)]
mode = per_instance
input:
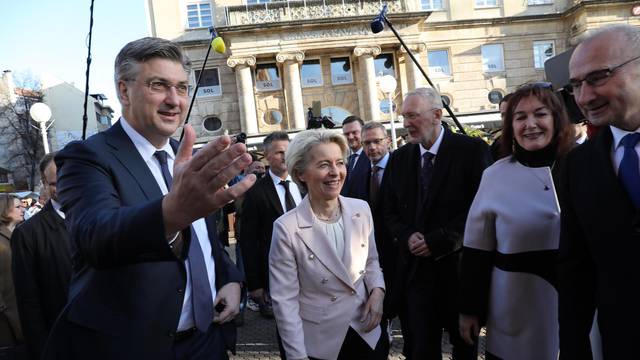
[(374, 184), (200, 288), (426, 172), (629, 171), (288, 199), (352, 162)]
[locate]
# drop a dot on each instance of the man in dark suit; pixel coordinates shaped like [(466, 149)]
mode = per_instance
[(41, 257), (150, 280), (427, 191), (272, 196), (358, 164), (600, 200)]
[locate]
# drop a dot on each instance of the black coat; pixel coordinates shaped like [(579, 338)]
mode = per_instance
[(260, 208), (599, 247), (457, 171), (355, 185), (127, 289), (42, 271)]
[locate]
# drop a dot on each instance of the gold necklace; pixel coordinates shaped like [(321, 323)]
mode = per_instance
[(333, 216)]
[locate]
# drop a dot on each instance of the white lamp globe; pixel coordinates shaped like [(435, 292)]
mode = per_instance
[(40, 112), (387, 84)]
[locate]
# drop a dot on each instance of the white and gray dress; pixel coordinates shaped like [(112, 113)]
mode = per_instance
[(508, 273)]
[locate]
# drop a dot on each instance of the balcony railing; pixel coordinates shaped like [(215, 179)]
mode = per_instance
[(293, 10)]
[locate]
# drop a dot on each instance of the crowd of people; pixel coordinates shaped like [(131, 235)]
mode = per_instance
[(338, 234)]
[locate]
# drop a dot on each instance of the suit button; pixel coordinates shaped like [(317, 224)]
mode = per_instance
[(362, 272), (353, 292), (311, 257), (180, 291), (324, 281), (171, 334), (333, 298), (363, 245)]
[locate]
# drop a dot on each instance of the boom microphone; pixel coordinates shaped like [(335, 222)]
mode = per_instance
[(218, 44), (377, 24)]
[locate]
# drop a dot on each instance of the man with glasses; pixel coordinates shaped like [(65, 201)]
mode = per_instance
[(600, 200), (151, 280), (427, 191)]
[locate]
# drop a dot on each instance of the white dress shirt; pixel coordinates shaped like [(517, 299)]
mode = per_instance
[(617, 151), (293, 189), (146, 150), (434, 148), (355, 160)]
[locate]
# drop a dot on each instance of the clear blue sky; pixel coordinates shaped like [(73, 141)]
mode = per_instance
[(43, 36)]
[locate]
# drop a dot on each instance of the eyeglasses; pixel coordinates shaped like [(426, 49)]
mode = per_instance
[(164, 87), (596, 78), (413, 116)]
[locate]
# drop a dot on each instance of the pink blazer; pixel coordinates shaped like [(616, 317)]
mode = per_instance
[(316, 295)]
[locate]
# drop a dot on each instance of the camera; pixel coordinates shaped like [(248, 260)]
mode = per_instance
[(315, 120), (239, 138)]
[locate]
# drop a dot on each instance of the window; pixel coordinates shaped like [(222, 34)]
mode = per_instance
[(209, 84), (542, 51), (102, 119), (212, 123), (267, 77), (486, 3), (341, 71), (539, 2), (431, 4), (199, 14), (250, 2), (336, 113), (273, 117), (385, 108), (439, 63), (492, 58), (383, 65), (311, 73)]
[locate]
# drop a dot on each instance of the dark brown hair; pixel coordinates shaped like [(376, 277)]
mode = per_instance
[(562, 129)]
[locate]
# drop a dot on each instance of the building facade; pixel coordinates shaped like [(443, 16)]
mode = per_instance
[(282, 56)]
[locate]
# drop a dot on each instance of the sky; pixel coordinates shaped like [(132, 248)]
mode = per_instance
[(50, 37)]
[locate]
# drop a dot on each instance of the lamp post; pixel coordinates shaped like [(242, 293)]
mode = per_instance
[(388, 85), (41, 113)]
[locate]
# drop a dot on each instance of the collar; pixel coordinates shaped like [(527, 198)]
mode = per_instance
[(383, 162), (276, 179), (436, 145), (618, 134), (144, 147), (57, 207)]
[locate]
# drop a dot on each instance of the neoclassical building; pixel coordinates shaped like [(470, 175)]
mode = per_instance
[(282, 56)]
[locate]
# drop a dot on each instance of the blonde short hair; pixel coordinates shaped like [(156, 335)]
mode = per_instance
[(7, 202), (297, 156)]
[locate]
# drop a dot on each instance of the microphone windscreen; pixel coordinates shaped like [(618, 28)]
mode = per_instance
[(377, 25), (218, 45)]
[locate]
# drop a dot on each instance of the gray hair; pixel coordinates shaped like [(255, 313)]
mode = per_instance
[(431, 95), (297, 156), (371, 125), (145, 49), (630, 35)]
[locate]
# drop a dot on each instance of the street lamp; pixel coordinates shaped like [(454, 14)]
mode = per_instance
[(41, 113), (388, 85)]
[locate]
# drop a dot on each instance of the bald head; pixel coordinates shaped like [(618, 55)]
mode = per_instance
[(608, 60)]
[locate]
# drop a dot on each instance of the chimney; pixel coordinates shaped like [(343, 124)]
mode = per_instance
[(7, 79)]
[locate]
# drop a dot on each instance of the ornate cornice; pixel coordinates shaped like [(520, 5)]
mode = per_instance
[(290, 56), (415, 47), (366, 50), (234, 61)]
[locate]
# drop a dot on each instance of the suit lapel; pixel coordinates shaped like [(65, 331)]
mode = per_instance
[(354, 242), (316, 239), (272, 194), (616, 202), (126, 153)]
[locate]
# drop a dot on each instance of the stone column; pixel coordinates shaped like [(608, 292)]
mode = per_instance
[(292, 87), (365, 55), (414, 76), (246, 99)]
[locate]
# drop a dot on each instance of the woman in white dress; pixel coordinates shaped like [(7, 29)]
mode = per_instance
[(512, 234)]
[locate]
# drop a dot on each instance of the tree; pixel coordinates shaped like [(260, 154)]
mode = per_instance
[(20, 138)]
